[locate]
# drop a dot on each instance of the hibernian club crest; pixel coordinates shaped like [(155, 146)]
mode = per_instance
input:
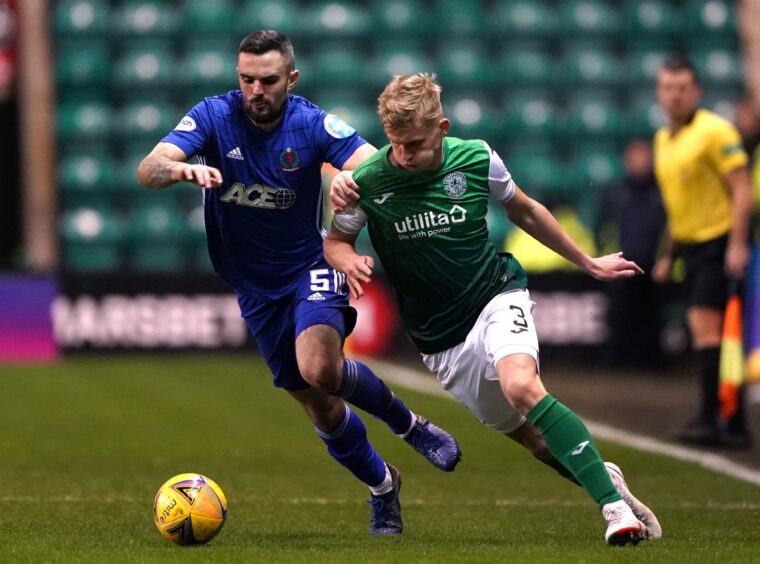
[(455, 184)]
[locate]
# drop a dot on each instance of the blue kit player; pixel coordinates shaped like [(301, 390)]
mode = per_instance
[(259, 154)]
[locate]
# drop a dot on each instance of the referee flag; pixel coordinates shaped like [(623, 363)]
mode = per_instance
[(731, 356)]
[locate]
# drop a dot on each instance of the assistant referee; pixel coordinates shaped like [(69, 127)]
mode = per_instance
[(702, 172)]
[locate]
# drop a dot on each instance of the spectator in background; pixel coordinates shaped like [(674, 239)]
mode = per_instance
[(635, 212), (747, 118), (701, 169)]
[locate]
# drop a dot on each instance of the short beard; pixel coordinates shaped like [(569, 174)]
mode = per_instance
[(266, 119)]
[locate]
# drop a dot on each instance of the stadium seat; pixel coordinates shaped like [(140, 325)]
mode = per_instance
[(81, 18), (91, 239), (653, 18), (336, 65), (149, 65), (472, 117), (596, 168), (87, 120), (207, 71), (82, 64), (400, 18), (209, 17), (706, 17), (157, 234), (539, 173), (334, 19), (525, 64), (397, 57), (643, 64), (197, 247), (524, 18), (590, 117), (645, 116), (85, 179), (146, 121), (718, 67), (530, 115), (587, 18), (357, 111), (267, 14), (590, 64), (464, 65), (460, 18), (147, 18)]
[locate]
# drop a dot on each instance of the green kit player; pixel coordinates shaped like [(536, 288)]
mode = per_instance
[(424, 199)]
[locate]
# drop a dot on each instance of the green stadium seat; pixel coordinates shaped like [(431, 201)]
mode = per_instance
[(590, 116), (91, 239), (464, 65), (596, 168), (85, 179), (525, 18), (524, 64), (394, 58), (208, 71), (336, 65), (705, 17), (146, 120), (157, 234), (586, 18), (530, 115), (209, 17), (651, 18), (150, 65), (498, 225), (334, 19), (267, 14), (81, 18), (147, 18), (472, 117), (82, 64), (645, 116), (87, 120), (592, 64), (539, 173), (198, 248), (460, 18), (643, 65), (400, 18), (357, 111), (718, 67)]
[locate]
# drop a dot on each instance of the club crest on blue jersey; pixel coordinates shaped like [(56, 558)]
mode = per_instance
[(455, 184), (289, 160), (338, 128)]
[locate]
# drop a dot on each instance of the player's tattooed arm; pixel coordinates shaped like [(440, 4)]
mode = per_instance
[(166, 165)]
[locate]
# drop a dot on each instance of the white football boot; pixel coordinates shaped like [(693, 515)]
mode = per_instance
[(641, 511), (622, 525)]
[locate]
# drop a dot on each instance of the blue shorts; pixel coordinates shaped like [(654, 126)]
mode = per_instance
[(318, 297)]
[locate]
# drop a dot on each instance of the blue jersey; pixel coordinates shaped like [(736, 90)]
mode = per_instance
[(264, 224)]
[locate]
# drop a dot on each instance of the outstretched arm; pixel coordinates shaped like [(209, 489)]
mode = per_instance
[(165, 165), (341, 254), (533, 218), (343, 189)]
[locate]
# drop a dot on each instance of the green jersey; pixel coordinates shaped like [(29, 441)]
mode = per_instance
[(429, 230)]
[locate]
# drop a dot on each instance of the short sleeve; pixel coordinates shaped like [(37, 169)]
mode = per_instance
[(338, 139), (726, 149), (351, 220), (191, 134), (500, 182)]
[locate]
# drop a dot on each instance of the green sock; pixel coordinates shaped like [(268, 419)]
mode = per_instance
[(569, 441)]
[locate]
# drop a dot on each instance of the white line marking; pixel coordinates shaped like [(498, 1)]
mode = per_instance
[(417, 381)]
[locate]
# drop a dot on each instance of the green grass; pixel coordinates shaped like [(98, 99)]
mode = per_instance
[(85, 444)]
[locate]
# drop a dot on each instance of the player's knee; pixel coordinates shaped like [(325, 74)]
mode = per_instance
[(322, 373), (522, 389)]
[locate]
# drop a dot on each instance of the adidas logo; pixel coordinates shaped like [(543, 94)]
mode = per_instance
[(236, 154), (316, 297)]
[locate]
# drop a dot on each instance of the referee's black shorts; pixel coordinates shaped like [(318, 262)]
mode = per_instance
[(706, 280)]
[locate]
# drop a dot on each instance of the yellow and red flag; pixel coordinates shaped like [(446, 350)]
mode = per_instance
[(731, 358)]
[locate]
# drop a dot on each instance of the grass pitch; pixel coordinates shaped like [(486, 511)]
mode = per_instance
[(85, 444)]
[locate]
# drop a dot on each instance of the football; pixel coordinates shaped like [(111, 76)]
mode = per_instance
[(189, 509)]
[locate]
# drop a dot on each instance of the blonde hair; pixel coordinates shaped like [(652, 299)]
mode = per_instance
[(410, 101)]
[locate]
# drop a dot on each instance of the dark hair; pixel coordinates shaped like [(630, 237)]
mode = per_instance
[(265, 40), (677, 63)]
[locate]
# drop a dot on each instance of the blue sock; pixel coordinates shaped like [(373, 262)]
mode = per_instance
[(365, 390), (348, 444)]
